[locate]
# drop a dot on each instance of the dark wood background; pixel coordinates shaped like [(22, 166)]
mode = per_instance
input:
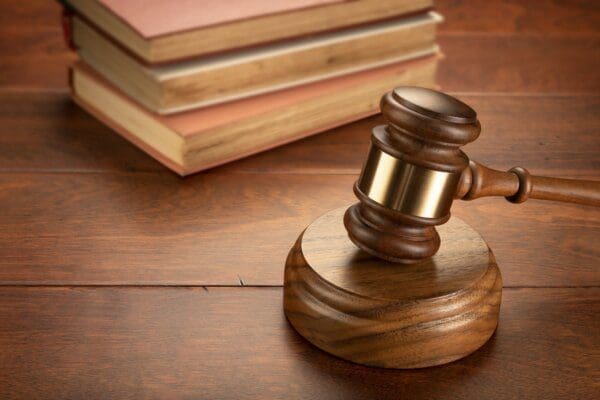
[(121, 280)]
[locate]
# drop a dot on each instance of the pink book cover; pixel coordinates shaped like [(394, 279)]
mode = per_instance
[(153, 18)]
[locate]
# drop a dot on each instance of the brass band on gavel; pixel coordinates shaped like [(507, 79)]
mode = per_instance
[(405, 187)]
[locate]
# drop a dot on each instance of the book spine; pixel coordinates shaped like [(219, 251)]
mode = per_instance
[(70, 78), (69, 12), (67, 26)]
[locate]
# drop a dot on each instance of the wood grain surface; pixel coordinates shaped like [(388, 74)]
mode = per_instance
[(228, 343), (83, 210), (155, 229), (548, 17)]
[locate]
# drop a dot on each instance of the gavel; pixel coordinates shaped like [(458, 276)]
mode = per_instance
[(443, 303), (415, 169)]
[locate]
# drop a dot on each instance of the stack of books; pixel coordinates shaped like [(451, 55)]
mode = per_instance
[(199, 83)]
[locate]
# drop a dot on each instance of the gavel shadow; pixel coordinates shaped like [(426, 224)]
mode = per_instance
[(380, 279)]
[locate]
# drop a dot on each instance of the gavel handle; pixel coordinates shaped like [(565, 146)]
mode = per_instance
[(517, 185)]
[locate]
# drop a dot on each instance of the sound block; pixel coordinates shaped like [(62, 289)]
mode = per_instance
[(382, 314)]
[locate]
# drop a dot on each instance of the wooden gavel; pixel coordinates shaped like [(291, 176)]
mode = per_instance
[(415, 169)]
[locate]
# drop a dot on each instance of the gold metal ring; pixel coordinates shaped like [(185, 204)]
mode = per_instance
[(405, 187)]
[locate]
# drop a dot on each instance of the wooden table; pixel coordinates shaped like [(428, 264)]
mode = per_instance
[(121, 280)]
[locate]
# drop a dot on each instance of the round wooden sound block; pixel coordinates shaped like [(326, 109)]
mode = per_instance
[(377, 313)]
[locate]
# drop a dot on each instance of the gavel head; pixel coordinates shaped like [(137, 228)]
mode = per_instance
[(411, 174)]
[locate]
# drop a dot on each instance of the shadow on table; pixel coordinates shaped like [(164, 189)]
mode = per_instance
[(350, 380)]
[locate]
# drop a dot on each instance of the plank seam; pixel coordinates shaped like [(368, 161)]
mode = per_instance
[(207, 287)]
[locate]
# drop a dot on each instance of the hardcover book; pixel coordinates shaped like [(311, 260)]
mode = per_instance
[(158, 31), (216, 79), (202, 138)]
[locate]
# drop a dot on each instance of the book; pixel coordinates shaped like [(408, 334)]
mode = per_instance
[(210, 80), (206, 137), (158, 31)]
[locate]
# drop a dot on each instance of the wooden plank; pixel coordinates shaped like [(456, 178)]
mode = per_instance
[(33, 53), (520, 16), (30, 15), (553, 135), (526, 64), (34, 58), (47, 131), (235, 343), (231, 229), (101, 228)]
